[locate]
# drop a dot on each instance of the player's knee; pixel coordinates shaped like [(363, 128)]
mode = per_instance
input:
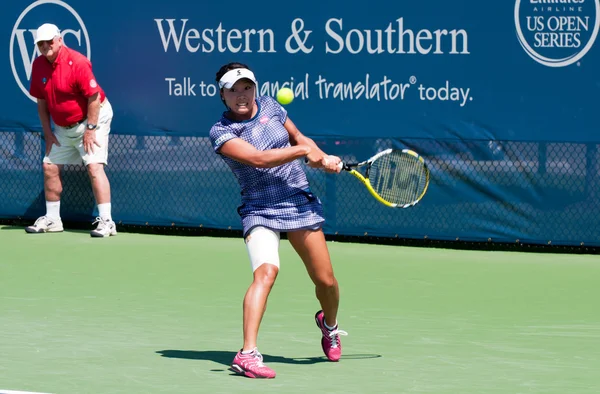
[(266, 274), (326, 281)]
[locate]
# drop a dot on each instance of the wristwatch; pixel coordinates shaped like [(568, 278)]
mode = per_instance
[(91, 126)]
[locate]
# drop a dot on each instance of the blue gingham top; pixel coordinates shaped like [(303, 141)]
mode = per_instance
[(278, 198)]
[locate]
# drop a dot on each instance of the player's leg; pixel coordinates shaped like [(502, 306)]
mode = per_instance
[(263, 249), (312, 249), (255, 302)]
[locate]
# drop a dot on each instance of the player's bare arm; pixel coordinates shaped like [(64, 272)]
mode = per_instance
[(317, 158), (240, 150)]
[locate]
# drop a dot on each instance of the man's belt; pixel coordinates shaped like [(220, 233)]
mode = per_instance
[(75, 124)]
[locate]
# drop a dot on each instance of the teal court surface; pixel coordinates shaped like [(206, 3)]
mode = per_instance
[(140, 313)]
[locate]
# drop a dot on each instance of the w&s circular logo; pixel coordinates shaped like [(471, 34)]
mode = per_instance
[(557, 33), (23, 50)]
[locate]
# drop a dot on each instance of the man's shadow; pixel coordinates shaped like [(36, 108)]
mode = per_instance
[(225, 358)]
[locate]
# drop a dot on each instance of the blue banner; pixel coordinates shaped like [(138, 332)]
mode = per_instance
[(518, 70), (501, 98)]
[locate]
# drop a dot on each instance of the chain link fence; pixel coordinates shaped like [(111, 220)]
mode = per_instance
[(497, 191)]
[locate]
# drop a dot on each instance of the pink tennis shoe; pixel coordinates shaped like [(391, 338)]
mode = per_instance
[(251, 365), (330, 342)]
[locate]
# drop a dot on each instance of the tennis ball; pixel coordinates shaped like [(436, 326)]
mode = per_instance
[(285, 96)]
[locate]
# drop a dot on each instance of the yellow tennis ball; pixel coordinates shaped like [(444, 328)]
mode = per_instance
[(285, 96)]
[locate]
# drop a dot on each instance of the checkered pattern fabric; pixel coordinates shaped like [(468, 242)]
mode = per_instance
[(278, 198)]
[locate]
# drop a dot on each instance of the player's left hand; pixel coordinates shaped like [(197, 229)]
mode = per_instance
[(89, 140)]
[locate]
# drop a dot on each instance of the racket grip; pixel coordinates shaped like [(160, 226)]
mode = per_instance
[(340, 165)]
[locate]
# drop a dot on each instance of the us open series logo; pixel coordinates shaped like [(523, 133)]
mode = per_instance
[(23, 50), (557, 33)]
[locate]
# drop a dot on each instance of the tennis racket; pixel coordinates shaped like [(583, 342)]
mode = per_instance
[(396, 178)]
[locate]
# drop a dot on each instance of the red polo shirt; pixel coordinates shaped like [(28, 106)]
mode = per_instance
[(65, 84)]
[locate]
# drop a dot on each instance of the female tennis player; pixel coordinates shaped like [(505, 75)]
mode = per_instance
[(261, 145)]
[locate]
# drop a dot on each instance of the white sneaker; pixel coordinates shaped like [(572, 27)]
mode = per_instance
[(44, 224), (106, 228)]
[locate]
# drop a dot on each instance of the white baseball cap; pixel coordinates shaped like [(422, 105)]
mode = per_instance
[(232, 76), (46, 32)]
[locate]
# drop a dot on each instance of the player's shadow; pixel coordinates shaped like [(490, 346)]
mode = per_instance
[(225, 357)]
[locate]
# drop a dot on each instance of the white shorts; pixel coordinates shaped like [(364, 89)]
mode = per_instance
[(263, 247), (71, 149)]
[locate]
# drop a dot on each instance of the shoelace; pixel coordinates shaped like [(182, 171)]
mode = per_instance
[(101, 223), (334, 337), (257, 358)]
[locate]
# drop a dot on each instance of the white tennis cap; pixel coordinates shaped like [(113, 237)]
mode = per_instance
[(46, 32), (232, 76)]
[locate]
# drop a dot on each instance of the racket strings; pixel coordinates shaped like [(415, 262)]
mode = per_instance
[(399, 178)]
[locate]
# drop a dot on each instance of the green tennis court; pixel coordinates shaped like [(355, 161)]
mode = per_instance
[(162, 314)]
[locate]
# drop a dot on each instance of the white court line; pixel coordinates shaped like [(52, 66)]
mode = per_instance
[(18, 392)]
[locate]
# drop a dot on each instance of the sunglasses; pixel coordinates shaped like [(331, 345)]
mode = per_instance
[(41, 43)]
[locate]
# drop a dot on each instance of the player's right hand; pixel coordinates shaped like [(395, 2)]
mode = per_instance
[(313, 159), (50, 140)]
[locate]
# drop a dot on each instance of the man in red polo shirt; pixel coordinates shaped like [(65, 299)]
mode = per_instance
[(67, 92)]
